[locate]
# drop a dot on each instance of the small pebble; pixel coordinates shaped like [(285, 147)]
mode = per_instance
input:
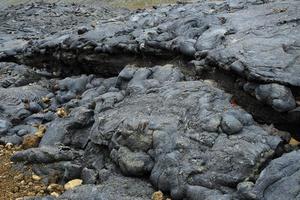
[(8, 145), (294, 142), (19, 177), (46, 100), (55, 194), (31, 194), (158, 195), (61, 112), (55, 188), (73, 183)]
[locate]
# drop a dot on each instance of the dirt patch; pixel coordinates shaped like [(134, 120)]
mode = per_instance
[(16, 183)]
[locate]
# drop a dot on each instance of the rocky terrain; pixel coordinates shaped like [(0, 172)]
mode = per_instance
[(196, 100), (17, 182)]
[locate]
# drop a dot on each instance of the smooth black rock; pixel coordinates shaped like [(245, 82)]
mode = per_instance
[(4, 126), (280, 179), (161, 124), (221, 32), (58, 129), (13, 139), (114, 188), (230, 124), (177, 123), (278, 96), (44, 155)]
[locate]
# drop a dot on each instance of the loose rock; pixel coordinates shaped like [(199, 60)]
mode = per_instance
[(72, 184)]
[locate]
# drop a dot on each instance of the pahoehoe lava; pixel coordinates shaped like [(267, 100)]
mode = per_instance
[(198, 100)]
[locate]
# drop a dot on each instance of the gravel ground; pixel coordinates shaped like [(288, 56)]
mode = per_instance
[(15, 184)]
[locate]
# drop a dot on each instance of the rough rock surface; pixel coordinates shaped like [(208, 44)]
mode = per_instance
[(39, 19), (185, 136), (258, 40), (127, 189), (128, 130), (280, 179)]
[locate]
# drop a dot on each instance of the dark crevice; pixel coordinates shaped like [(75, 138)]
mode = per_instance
[(262, 113), (64, 63)]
